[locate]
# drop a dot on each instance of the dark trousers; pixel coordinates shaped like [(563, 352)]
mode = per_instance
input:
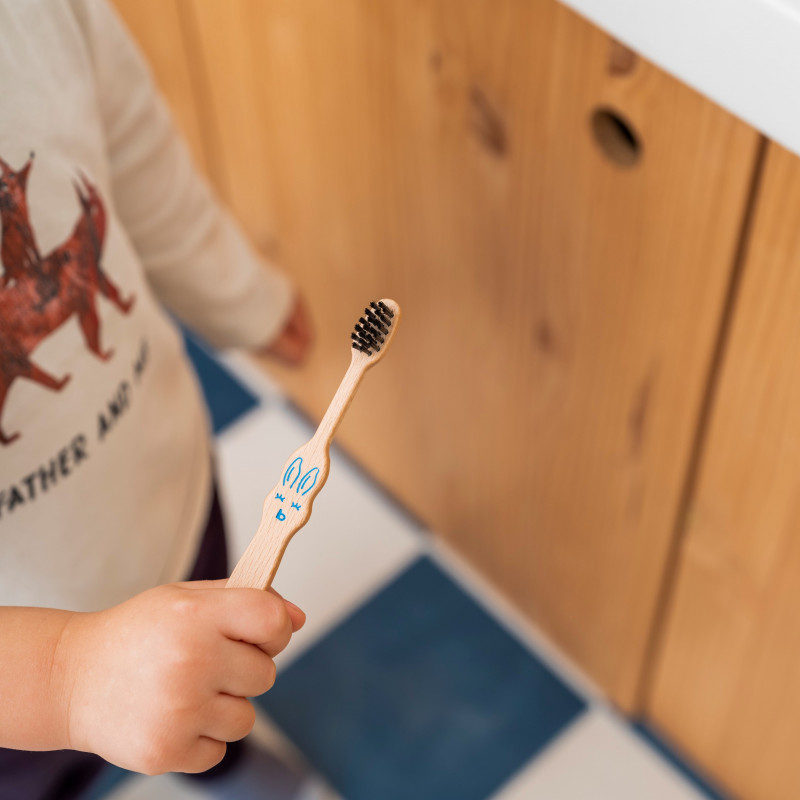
[(67, 774)]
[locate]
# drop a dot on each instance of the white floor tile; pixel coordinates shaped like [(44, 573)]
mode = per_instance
[(354, 542), (598, 758)]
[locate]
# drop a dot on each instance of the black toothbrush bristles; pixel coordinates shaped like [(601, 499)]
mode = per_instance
[(371, 329)]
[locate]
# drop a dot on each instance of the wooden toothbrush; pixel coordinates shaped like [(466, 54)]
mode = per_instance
[(288, 506)]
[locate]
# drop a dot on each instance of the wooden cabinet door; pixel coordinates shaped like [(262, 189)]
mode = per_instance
[(726, 685), (560, 234)]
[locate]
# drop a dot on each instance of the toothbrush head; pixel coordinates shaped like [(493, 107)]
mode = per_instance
[(375, 329)]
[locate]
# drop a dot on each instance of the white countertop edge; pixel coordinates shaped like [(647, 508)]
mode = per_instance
[(742, 54)]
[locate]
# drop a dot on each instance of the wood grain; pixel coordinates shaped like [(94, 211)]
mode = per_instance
[(726, 686), (560, 310)]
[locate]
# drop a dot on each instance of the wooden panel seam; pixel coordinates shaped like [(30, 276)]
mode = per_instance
[(669, 575)]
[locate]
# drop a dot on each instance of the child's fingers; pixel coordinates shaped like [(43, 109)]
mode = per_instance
[(297, 615), (205, 753), (250, 615), (220, 584), (229, 718), (293, 343), (246, 671), (289, 349)]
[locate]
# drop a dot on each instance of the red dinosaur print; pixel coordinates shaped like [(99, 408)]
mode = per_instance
[(37, 295)]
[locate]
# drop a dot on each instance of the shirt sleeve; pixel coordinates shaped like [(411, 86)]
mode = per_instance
[(196, 258)]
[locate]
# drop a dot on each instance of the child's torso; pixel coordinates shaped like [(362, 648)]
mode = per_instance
[(104, 463)]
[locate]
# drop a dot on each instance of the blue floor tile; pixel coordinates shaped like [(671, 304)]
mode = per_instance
[(226, 397), (420, 694), (701, 783), (109, 779)]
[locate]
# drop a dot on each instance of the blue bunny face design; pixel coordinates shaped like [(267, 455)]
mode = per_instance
[(294, 486)]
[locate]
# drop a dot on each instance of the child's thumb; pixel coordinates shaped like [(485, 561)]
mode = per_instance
[(220, 584)]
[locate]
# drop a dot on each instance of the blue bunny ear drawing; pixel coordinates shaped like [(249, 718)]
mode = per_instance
[(308, 481), (293, 472)]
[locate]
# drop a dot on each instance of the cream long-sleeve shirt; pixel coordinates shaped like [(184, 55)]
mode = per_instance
[(104, 457)]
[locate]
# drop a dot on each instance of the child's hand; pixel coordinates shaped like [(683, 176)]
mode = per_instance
[(293, 343), (159, 683)]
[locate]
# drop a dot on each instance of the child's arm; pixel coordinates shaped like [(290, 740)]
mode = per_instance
[(196, 258), (156, 684), (33, 699)]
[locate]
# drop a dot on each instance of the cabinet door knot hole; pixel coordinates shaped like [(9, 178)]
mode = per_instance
[(487, 124), (616, 137)]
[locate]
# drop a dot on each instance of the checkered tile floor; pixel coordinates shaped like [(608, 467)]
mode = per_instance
[(412, 679)]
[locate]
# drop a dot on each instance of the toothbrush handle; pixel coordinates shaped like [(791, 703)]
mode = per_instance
[(257, 567), (286, 509), (288, 506)]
